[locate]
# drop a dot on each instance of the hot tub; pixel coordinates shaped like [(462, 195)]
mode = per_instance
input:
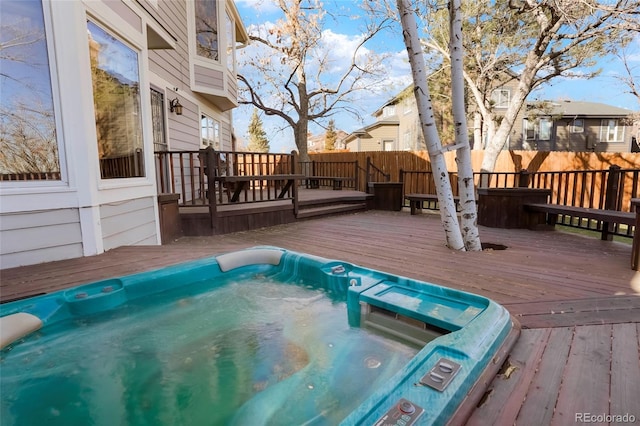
[(258, 336)]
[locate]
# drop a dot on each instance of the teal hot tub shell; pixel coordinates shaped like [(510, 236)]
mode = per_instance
[(462, 336)]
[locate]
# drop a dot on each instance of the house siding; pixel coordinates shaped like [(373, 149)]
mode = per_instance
[(128, 223), (114, 212), (40, 236), (172, 65), (122, 10), (206, 77)]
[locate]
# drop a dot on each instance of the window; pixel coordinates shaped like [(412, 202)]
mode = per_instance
[(501, 98), (116, 98), (538, 129), (407, 105), (611, 131), (529, 129), (206, 28), (407, 141), (210, 132), (544, 132), (577, 126), (28, 140), (388, 111), (157, 120), (231, 52)]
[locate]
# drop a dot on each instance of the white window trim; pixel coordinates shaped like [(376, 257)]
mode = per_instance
[(604, 133), (221, 63), (499, 103), (44, 186)]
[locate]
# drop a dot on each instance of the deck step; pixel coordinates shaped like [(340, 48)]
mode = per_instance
[(330, 210)]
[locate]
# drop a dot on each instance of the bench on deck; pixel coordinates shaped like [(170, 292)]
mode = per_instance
[(416, 201), (240, 183), (337, 182), (606, 216)]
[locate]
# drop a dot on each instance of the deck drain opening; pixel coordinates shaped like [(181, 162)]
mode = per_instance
[(493, 246), (484, 398), (507, 369)]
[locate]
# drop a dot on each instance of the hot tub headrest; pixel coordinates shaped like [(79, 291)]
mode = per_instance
[(16, 326), (237, 259)]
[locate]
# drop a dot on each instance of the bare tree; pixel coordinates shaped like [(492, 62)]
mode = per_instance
[(289, 71), (448, 213), (466, 186), (530, 43)]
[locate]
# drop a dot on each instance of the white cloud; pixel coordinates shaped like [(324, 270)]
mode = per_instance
[(260, 7)]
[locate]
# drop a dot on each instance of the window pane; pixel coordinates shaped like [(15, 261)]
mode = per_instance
[(116, 97), (157, 118), (577, 126), (206, 29), (545, 129), (231, 60), (28, 144), (500, 98)]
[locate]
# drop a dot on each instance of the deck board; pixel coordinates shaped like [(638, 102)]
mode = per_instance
[(540, 402), (625, 370), (511, 385), (585, 382), (554, 283)]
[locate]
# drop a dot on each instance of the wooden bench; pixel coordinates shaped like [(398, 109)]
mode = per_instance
[(416, 201), (239, 183), (313, 182), (606, 216)]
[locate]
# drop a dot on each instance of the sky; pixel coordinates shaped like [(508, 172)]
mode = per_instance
[(344, 33)]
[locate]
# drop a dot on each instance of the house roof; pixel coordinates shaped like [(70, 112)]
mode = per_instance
[(364, 131), (568, 108)]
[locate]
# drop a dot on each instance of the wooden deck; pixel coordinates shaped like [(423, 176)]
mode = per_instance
[(575, 297)]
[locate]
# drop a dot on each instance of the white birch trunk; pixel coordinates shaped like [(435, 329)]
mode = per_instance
[(448, 213), (466, 187)]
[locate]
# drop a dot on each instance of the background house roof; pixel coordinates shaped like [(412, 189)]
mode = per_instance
[(364, 131), (586, 109)]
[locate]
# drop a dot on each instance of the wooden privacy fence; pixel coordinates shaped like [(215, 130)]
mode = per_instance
[(508, 162), (349, 171)]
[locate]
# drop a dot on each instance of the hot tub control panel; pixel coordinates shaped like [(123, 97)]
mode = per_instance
[(403, 413)]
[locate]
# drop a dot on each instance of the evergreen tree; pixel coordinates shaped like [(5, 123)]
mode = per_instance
[(330, 136), (258, 141)]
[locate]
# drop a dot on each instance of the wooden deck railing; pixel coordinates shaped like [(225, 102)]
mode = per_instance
[(610, 189), (200, 176)]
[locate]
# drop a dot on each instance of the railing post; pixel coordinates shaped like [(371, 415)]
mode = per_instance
[(611, 199), (523, 178), (210, 170), (294, 187), (355, 172)]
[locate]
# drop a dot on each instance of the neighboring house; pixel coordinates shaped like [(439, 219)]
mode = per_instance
[(315, 143), (91, 91), (396, 127), (541, 125), (575, 126)]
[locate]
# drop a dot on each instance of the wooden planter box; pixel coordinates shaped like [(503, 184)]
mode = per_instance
[(386, 195), (170, 225), (503, 207)]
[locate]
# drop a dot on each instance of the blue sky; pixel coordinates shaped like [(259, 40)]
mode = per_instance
[(343, 34)]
